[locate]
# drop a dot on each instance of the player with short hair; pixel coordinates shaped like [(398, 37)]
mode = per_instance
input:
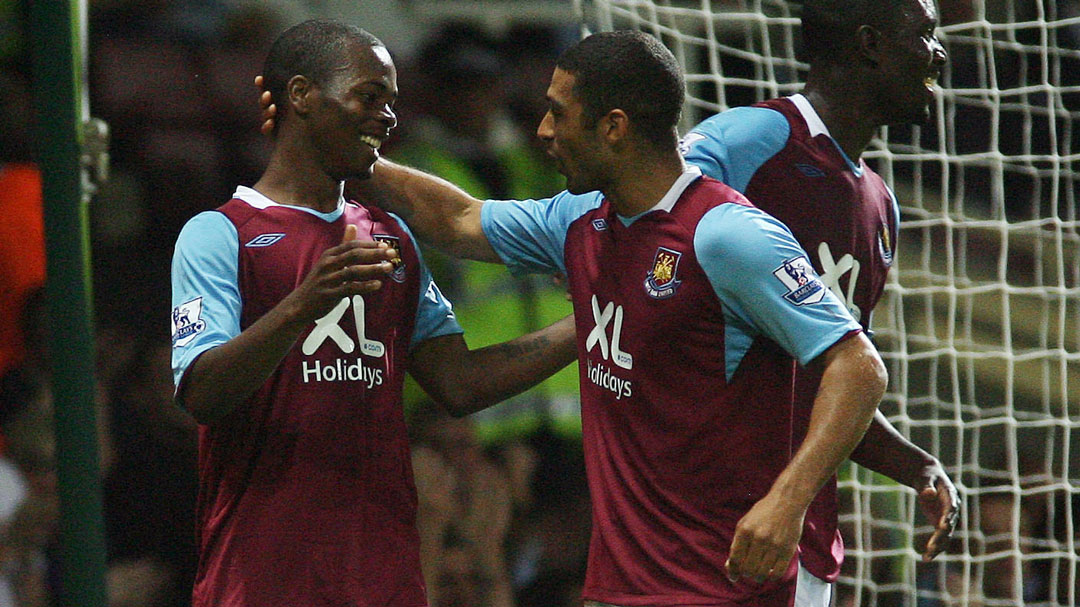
[(799, 158), (296, 316), (692, 307)]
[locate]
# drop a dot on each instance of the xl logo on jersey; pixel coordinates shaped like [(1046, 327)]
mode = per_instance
[(609, 350), (329, 328), (831, 273)]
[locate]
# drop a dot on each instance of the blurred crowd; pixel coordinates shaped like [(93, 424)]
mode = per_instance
[(504, 511)]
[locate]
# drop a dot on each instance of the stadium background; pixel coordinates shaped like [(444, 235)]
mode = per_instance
[(979, 326)]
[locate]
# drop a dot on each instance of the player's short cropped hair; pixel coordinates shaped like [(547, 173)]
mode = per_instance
[(829, 26), (313, 49), (631, 71)]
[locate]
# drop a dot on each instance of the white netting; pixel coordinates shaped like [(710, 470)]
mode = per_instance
[(980, 325)]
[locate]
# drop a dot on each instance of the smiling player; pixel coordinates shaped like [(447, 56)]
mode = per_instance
[(296, 315)]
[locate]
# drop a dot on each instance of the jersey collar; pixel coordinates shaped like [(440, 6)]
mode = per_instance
[(673, 194), (259, 201), (816, 126)]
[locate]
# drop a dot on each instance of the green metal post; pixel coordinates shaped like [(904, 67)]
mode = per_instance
[(57, 31)]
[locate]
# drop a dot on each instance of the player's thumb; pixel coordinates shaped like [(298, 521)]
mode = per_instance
[(350, 234)]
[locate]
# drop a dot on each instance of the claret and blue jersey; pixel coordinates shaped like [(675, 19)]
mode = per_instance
[(780, 154), (308, 488), (690, 320)]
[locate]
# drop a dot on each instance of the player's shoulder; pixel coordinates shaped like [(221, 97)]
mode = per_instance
[(755, 123), (711, 189), (206, 226), (739, 228)]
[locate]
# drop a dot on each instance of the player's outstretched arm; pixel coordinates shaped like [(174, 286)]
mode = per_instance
[(465, 381), (885, 451), (436, 210), (223, 377), (854, 381)]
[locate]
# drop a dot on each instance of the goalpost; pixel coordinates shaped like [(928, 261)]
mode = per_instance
[(980, 324)]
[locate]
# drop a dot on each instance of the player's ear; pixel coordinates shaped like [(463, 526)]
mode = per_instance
[(868, 39), (615, 126), (298, 90)]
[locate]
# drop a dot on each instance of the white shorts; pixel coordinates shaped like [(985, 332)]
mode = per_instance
[(811, 591)]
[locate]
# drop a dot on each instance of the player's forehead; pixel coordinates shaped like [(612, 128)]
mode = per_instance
[(919, 12), (368, 65), (561, 90)]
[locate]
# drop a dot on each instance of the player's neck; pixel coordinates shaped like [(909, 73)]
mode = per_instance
[(642, 182), (292, 181), (845, 110)]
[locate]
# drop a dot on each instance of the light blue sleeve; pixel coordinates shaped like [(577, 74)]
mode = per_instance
[(731, 146), (530, 235), (205, 294), (766, 283), (434, 312)]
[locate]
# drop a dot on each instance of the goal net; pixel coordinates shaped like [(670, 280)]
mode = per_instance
[(980, 324)]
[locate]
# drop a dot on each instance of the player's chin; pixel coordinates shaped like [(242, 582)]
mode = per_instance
[(917, 115), (363, 171)]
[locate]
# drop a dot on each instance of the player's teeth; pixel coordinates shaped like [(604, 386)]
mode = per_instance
[(930, 81), (373, 142)]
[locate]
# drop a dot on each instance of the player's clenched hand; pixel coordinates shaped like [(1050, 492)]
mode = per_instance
[(354, 267), (269, 110), (940, 502), (765, 540)]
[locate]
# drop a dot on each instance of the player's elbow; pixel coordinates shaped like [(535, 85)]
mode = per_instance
[(461, 402), (873, 376), (858, 365)]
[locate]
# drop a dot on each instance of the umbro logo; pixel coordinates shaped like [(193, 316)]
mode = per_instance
[(264, 240), (810, 170)]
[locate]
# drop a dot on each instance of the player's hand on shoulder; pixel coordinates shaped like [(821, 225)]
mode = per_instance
[(267, 108)]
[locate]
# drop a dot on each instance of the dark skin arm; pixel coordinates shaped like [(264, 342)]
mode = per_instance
[(465, 381), (885, 451), (224, 377)]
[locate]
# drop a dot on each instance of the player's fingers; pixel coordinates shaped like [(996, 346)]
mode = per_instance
[(935, 545), (367, 256), (733, 566), (760, 559), (259, 81), (363, 272), (356, 251)]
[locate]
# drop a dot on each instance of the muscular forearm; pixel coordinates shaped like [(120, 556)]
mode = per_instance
[(853, 383), (885, 451), (436, 210), (466, 381)]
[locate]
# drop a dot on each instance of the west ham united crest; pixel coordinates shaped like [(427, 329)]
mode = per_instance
[(399, 265), (661, 281)]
